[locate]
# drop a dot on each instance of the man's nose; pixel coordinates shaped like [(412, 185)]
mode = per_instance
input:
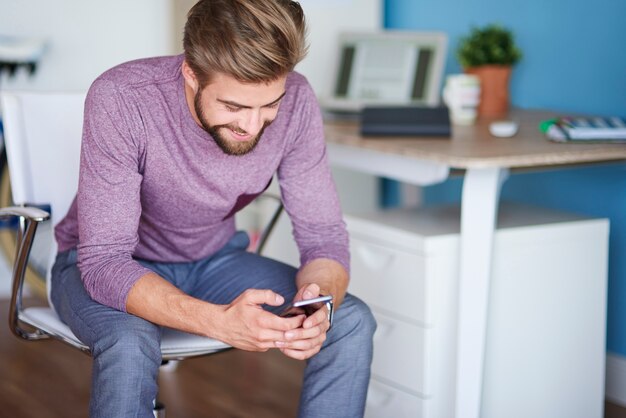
[(252, 122)]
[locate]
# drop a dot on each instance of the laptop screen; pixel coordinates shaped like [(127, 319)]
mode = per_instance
[(395, 68)]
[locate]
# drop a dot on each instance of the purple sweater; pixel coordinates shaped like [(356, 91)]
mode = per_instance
[(154, 185)]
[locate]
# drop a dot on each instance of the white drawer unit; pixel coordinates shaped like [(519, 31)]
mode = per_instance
[(545, 344), (396, 339), (383, 280)]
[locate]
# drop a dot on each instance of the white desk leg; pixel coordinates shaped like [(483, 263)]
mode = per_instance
[(481, 192)]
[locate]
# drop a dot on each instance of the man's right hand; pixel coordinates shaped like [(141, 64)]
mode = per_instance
[(247, 326), (243, 323)]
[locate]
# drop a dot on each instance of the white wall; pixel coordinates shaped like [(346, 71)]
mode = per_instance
[(85, 37), (326, 19)]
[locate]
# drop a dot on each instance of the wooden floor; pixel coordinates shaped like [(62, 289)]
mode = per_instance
[(47, 379)]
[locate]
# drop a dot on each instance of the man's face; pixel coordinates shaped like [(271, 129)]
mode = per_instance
[(235, 114)]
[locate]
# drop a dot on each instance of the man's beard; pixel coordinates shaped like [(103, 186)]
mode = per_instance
[(228, 147)]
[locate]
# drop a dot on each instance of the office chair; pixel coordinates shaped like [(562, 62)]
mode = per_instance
[(42, 138)]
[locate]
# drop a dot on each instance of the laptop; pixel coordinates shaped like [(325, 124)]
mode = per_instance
[(387, 68)]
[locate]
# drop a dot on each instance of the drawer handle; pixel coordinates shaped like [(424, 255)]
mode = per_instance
[(378, 397), (375, 259), (383, 329)]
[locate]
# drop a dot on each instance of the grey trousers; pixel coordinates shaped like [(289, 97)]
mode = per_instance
[(126, 348)]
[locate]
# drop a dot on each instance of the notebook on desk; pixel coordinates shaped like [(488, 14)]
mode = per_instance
[(585, 129)]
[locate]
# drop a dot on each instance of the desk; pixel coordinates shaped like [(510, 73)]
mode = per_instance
[(486, 161)]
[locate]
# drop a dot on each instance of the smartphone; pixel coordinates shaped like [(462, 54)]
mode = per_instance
[(306, 307)]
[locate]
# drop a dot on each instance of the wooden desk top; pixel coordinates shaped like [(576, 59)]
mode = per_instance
[(475, 147)]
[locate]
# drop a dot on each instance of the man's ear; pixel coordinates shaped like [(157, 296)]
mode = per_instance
[(190, 77)]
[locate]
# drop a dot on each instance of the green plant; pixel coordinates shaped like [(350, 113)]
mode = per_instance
[(491, 44)]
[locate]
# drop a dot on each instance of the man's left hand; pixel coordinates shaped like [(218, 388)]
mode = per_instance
[(306, 341)]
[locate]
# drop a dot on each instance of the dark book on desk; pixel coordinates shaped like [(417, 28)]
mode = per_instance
[(585, 129), (405, 121)]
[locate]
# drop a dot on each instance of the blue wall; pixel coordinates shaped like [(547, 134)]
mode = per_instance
[(574, 61), (574, 51)]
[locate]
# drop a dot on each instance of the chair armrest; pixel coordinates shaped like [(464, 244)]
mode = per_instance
[(27, 212), (30, 217)]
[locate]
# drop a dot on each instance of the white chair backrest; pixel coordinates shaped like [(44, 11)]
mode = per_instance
[(42, 133)]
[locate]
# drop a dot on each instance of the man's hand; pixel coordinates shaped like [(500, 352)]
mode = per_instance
[(306, 341), (320, 276), (246, 325)]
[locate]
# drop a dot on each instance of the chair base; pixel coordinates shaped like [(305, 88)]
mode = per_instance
[(158, 410)]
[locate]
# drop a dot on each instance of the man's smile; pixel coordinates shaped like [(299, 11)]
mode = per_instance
[(238, 135)]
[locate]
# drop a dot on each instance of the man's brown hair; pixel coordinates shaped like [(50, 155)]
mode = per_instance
[(252, 41)]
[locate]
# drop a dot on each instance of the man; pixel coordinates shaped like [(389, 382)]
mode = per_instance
[(172, 148)]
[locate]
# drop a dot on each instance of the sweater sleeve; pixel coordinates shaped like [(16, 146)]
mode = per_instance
[(307, 187), (108, 197)]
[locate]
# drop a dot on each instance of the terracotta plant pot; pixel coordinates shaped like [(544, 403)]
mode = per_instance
[(494, 89)]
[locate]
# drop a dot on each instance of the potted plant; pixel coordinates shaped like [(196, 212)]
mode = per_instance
[(490, 53)]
